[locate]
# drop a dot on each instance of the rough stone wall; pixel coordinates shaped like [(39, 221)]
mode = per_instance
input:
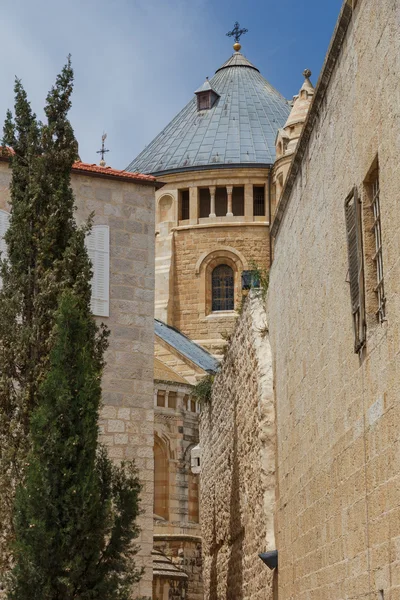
[(192, 304), (237, 438), (127, 423), (338, 414)]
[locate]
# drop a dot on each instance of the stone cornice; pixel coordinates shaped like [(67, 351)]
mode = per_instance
[(320, 91)]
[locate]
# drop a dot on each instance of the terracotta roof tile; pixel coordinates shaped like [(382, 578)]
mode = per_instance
[(5, 153), (109, 172)]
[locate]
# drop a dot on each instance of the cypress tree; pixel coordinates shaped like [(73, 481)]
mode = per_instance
[(46, 254), (75, 514), (66, 512)]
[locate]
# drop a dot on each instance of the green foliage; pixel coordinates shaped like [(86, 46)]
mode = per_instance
[(260, 278), (75, 512), (66, 512), (259, 282), (202, 391), (46, 255)]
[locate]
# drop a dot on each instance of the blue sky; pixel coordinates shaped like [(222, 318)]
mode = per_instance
[(138, 62)]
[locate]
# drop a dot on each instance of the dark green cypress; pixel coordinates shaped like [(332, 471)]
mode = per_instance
[(75, 513), (67, 515)]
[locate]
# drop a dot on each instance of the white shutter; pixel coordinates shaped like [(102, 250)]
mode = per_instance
[(98, 247), (4, 222)]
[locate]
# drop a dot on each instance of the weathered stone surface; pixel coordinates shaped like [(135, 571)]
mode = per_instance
[(338, 413), (128, 377), (237, 438)]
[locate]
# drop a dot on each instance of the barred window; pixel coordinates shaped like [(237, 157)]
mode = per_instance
[(378, 259), (353, 217), (222, 288), (258, 201)]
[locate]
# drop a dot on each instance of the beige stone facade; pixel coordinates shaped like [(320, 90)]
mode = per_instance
[(179, 364), (338, 415), (127, 419), (187, 250), (237, 433)]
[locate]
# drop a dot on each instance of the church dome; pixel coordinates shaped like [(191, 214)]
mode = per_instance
[(238, 127)]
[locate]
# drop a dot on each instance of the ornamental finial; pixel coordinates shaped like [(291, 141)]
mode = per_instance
[(103, 150), (237, 33), (307, 73)]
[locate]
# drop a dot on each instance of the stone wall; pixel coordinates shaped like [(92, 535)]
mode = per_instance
[(338, 413), (127, 423), (195, 251), (188, 250), (237, 438)]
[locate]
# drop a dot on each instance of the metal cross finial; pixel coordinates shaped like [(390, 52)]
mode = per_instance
[(237, 32), (103, 150)]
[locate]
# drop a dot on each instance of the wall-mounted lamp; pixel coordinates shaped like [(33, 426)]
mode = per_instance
[(270, 558)]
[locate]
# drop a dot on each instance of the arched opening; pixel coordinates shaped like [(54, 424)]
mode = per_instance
[(223, 288), (166, 208), (161, 480)]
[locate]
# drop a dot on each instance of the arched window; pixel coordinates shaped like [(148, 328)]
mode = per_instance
[(222, 288)]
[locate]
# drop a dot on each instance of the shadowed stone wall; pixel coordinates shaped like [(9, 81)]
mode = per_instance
[(237, 466)]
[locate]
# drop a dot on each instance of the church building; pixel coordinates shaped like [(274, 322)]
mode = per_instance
[(213, 212)]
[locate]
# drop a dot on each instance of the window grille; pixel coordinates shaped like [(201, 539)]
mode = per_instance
[(184, 205), (356, 266), (377, 229), (258, 201), (222, 288)]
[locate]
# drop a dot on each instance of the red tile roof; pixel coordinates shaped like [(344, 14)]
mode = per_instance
[(109, 172), (96, 170)]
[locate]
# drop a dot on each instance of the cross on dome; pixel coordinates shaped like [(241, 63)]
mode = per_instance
[(237, 33)]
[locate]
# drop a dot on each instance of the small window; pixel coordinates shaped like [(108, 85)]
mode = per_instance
[(183, 205), (4, 224), (356, 266), (98, 248), (258, 201), (193, 406), (205, 200), (204, 101), (221, 202), (172, 400), (222, 288), (161, 398), (238, 201)]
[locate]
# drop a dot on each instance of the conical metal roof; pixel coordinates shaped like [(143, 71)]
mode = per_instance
[(239, 129)]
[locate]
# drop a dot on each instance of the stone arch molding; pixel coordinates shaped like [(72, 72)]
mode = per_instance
[(222, 252), (204, 267)]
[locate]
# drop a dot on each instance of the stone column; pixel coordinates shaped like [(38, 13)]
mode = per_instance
[(229, 189), (248, 202), (212, 202), (194, 205)]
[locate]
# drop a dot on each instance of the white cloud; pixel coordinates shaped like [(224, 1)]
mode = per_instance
[(135, 63)]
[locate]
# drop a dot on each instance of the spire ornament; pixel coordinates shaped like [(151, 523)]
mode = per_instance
[(103, 150), (307, 73), (237, 33)]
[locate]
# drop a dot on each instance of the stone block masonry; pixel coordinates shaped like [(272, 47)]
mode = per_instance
[(338, 412), (237, 438), (127, 418)]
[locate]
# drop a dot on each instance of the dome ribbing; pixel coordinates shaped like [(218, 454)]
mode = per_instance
[(239, 130)]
